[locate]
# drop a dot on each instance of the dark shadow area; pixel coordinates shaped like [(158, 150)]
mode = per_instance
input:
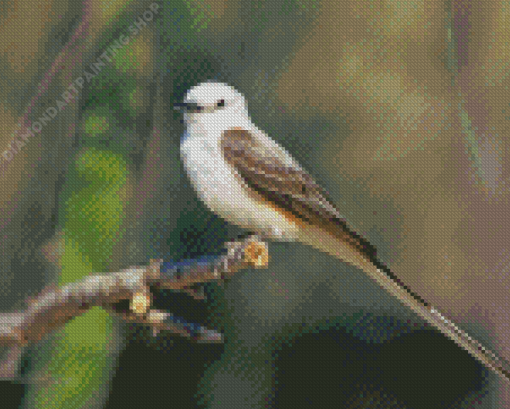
[(11, 394), (422, 369), (163, 371)]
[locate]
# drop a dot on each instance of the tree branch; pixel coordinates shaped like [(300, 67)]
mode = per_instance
[(55, 306)]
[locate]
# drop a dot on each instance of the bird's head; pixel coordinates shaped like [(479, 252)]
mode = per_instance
[(212, 101)]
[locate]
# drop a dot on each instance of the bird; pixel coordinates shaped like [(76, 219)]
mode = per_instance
[(248, 179)]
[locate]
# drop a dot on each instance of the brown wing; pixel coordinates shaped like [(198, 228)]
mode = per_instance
[(268, 172)]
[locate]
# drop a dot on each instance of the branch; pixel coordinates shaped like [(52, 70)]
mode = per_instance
[(55, 306)]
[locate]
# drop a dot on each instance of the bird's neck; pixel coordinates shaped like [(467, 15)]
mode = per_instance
[(200, 123)]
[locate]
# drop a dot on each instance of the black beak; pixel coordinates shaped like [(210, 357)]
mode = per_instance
[(187, 107)]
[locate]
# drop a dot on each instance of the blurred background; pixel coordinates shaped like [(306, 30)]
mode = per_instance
[(399, 108)]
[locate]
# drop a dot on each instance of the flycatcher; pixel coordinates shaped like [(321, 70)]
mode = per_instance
[(245, 177)]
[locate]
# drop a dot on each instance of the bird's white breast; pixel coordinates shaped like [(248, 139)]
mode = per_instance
[(221, 190)]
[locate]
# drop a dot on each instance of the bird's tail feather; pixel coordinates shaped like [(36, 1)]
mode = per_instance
[(346, 252)]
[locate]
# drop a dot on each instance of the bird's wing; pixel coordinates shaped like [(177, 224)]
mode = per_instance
[(270, 171)]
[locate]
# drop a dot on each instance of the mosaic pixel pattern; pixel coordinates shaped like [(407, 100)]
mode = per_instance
[(397, 109)]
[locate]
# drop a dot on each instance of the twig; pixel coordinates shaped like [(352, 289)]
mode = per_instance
[(56, 306)]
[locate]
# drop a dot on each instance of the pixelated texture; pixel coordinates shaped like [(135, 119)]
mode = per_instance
[(398, 108)]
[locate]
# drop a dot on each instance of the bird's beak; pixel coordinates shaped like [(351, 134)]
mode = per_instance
[(187, 107)]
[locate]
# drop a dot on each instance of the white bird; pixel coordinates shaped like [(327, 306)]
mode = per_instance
[(246, 178)]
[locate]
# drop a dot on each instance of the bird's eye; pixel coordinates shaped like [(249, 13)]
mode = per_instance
[(220, 103)]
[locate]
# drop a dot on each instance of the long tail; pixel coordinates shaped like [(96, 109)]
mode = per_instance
[(332, 245)]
